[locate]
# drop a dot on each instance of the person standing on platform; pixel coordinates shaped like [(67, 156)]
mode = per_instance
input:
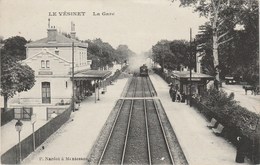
[(53, 115), (172, 93), (241, 150)]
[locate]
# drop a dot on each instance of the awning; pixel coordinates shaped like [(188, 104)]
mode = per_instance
[(194, 76), (92, 75)]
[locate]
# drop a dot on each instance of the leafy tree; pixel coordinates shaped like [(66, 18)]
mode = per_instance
[(15, 47), (15, 76), (105, 54), (160, 51), (181, 51), (1, 39), (123, 53), (204, 48), (224, 15), (171, 55), (239, 56)]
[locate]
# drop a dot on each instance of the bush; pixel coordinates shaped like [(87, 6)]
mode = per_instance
[(230, 113)]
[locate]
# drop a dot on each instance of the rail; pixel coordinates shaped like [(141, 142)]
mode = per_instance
[(147, 132), (127, 132), (164, 135), (111, 131)]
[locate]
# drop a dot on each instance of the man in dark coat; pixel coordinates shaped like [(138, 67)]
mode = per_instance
[(241, 149), (172, 93)]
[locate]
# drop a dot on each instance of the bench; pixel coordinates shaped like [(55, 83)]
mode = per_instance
[(218, 130), (212, 123)]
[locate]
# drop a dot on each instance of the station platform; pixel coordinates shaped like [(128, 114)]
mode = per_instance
[(199, 144), (75, 139)]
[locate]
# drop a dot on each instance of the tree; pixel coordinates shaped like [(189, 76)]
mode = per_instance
[(15, 48), (180, 50), (239, 56), (160, 51), (106, 54), (15, 76), (171, 54), (123, 53), (1, 39), (224, 15)]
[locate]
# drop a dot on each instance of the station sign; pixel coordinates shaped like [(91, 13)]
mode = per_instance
[(194, 79), (45, 73)]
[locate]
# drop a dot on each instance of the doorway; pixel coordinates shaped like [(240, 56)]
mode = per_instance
[(46, 92)]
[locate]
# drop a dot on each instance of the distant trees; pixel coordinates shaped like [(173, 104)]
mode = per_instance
[(105, 54), (15, 76), (171, 54), (123, 53)]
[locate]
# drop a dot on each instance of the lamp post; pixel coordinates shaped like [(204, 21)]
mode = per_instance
[(73, 92), (190, 64), (94, 82), (163, 56), (18, 127), (98, 88)]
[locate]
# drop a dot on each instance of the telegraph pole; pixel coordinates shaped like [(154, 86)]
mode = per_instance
[(190, 63), (73, 92)]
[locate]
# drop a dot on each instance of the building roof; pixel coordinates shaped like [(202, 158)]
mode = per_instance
[(92, 74), (46, 51), (61, 40), (186, 74)]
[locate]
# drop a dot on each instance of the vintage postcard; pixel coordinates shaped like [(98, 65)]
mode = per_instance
[(129, 82)]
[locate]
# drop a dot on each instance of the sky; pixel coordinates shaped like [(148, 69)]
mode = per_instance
[(136, 23)]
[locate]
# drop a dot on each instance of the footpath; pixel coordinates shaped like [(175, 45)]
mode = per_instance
[(249, 101), (72, 142), (200, 145)]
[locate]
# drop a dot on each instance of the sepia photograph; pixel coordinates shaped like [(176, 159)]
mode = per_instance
[(130, 82)]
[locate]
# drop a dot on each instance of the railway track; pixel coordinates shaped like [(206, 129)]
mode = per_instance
[(137, 134), (140, 87)]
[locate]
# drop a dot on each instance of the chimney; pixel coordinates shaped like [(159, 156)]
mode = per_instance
[(52, 33), (73, 32)]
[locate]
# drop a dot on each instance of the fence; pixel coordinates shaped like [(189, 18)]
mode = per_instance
[(12, 155), (114, 76), (6, 116)]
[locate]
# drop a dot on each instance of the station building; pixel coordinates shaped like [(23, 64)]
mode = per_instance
[(51, 60), (183, 80)]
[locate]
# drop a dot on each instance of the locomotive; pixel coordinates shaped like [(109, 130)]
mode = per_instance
[(144, 71)]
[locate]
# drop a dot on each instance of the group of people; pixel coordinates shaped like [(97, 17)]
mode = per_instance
[(176, 95)]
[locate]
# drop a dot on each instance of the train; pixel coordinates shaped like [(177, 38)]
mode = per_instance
[(144, 71)]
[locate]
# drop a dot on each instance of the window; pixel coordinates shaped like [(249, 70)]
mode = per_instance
[(42, 64), (47, 64)]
